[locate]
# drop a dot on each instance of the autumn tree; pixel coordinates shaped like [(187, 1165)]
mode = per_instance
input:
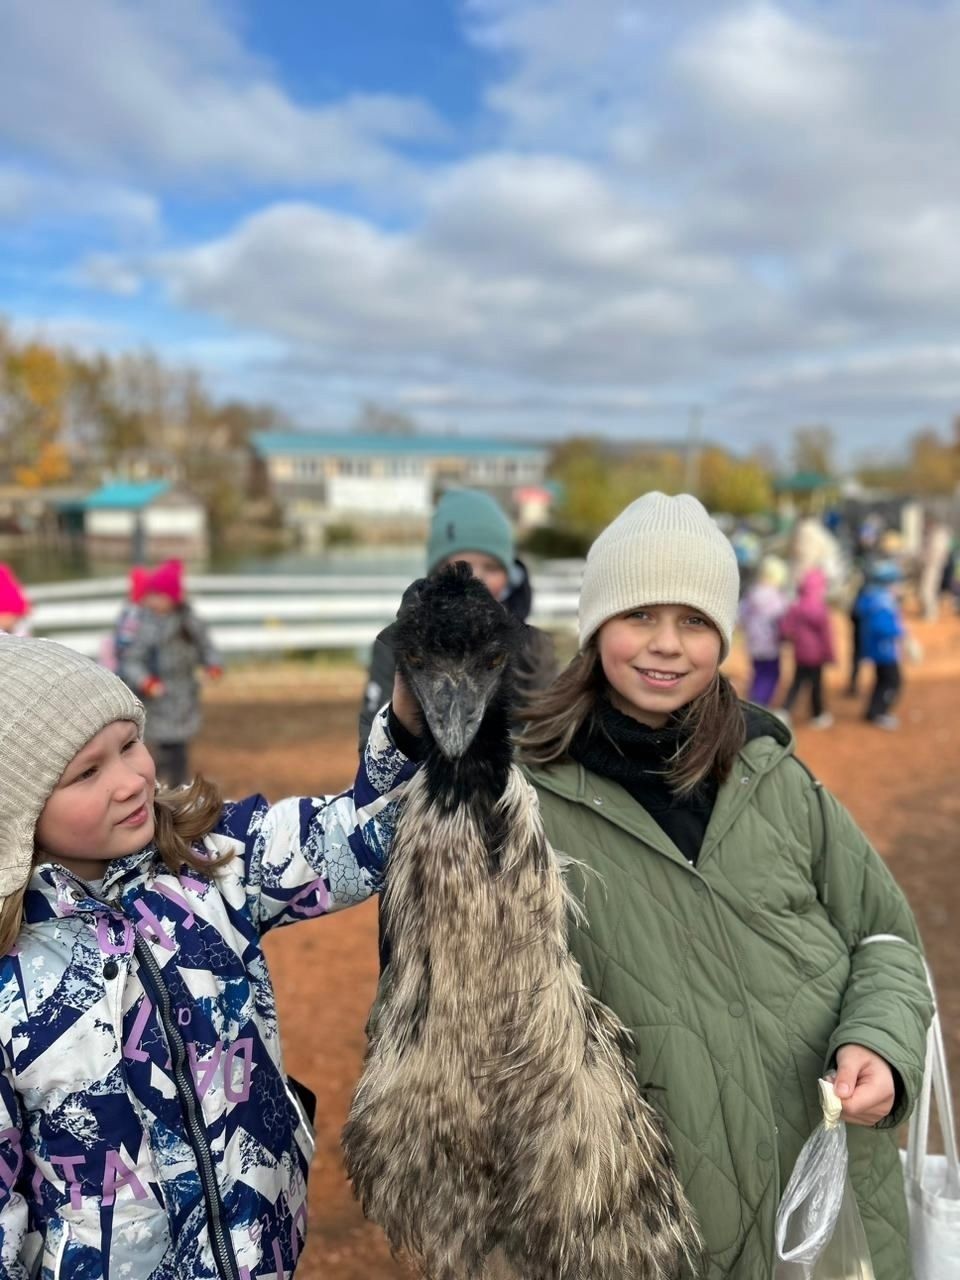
[(739, 486), (934, 464), (813, 450)]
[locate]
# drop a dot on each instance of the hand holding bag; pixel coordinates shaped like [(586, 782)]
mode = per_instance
[(819, 1232)]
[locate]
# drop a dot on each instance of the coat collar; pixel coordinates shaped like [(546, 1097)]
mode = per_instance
[(768, 742), (55, 891)]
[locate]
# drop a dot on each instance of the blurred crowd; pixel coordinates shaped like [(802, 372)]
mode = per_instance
[(797, 589)]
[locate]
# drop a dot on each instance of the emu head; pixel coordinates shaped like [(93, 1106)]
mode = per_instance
[(454, 646)]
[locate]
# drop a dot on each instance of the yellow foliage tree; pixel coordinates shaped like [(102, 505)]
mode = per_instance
[(740, 487), (52, 467)]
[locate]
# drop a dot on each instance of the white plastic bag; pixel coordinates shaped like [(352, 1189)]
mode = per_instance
[(819, 1233)]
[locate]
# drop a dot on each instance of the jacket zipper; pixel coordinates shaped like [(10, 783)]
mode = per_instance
[(219, 1234)]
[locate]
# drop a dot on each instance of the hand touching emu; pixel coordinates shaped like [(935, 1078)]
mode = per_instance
[(496, 1117)]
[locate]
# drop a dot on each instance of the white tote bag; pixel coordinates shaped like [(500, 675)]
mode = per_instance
[(932, 1182)]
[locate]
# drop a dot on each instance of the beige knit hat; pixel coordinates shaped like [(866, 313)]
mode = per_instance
[(52, 702), (661, 550)]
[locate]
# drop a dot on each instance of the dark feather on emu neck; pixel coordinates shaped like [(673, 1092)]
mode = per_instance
[(455, 646)]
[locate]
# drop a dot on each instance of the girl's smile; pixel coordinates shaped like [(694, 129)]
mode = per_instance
[(137, 818), (661, 679)]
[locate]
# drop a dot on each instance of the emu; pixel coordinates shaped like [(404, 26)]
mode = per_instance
[(497, 1127)]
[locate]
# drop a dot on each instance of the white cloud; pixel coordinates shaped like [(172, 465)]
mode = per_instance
[(761, 61), (51, 198), (166, 88)]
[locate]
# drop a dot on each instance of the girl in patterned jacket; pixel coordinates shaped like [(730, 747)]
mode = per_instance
[(148, 1130)]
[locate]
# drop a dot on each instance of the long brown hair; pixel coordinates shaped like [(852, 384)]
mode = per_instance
[(183, 817), (712, 725)]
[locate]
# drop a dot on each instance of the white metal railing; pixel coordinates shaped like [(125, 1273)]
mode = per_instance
[(260, 613)]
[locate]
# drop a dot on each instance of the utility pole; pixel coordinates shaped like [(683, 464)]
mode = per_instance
[(691, 470)]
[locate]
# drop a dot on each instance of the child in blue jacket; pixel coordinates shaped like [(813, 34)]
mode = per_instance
[(148, 1129), (881, 632)]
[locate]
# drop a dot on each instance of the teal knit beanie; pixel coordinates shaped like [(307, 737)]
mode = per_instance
[(468, 520)]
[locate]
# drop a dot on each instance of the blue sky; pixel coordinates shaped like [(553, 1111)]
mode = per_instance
[(511, 217)]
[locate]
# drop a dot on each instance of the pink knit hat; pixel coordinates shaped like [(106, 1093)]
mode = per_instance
[(165, 580), (12, 599)]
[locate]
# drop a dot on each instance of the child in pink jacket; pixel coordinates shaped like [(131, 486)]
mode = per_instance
[(807, 626)]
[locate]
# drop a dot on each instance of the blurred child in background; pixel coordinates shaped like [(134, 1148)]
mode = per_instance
[(160, 662), (469, 525), (761, 611), (881, 629), (807, 626), (14, 605), (116, 643)]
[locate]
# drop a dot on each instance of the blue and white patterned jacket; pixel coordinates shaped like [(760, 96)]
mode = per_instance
[(148, 1128)]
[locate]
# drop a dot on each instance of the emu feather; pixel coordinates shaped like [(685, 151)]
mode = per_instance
[(497, 1126)]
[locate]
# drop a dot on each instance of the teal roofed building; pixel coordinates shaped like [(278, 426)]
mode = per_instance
[(144, 520), (384, 486)]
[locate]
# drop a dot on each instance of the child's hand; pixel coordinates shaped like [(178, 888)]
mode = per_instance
[(864, 1084), (405, 706)]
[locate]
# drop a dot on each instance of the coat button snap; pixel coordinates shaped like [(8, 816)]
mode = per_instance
[(77, 895), (736, 1009), (764, 1150), (698, 885), (744, 781), (598, 799), (111, 969)]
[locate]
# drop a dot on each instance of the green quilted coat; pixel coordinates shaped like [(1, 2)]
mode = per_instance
[(740, 977)]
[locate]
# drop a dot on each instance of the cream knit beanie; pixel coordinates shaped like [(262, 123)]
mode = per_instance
[(52, 702), (661, 550)]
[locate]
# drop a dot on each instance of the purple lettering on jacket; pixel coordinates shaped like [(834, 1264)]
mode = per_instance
[(192, 882), (298, 1229), (190, 919), (107, 945), (69, 1164), (278, 1259), (204, 1072), (8, 1175), (150, 926), (183, 1017), (114, 1166), (317, 890), (130, 1049), (242, 1049)]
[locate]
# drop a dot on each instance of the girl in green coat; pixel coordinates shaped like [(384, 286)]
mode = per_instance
[(727, 920)]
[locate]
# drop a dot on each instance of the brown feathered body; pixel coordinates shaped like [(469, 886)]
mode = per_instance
[(497, 1116)]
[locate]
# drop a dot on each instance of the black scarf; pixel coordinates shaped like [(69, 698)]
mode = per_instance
[(622, 749)]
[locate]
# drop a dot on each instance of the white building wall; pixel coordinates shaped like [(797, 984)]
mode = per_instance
[(174, 522), (379, 496), (108, 524)]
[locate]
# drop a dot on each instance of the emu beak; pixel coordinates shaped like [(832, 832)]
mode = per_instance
[(453, 707)]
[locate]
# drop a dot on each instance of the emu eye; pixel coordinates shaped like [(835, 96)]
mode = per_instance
[(496, 661), (414, 660)]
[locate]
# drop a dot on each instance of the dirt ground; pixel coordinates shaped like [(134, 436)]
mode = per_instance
[(292, 730)]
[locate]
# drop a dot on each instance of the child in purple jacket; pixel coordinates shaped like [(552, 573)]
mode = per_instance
[(807, 626), (761, 612)]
